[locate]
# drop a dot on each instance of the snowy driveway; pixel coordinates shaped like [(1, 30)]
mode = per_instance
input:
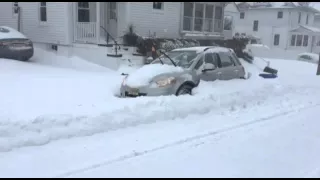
[(70, 114)]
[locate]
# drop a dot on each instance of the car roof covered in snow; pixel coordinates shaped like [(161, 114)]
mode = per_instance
[(199, 49), (10, 33)]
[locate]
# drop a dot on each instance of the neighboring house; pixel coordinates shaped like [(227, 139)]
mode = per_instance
[(68, 24), (283, 25)]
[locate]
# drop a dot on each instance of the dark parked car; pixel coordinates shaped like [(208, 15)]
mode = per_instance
[(14, 45)]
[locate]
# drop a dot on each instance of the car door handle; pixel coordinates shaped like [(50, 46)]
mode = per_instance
[(236, 70), (219, 73)]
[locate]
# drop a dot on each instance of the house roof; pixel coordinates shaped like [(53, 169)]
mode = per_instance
[(282, 5), (306, 28)]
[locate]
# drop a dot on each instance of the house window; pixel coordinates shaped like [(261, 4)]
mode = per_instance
[(255, 25), (276, 39), (199, 17), (280, 15), (15, 8), (299, 18), (218, 19), (188, 16), (242, 15), (227, 25), (293, 40), (158, 5), (198, 20), (307, 19), (83, 12), (208, 22), (305, 40), (299, 40), (43, 11)]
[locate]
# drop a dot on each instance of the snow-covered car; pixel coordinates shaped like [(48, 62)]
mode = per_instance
[(308, 57), (14, 45), (180, 70)]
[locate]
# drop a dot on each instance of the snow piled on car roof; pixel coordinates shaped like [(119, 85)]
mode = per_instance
[(10, 33)]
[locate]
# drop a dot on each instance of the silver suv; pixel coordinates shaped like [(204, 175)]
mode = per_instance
[(180, 70)]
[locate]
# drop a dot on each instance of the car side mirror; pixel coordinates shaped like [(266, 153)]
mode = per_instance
[(208, 67)]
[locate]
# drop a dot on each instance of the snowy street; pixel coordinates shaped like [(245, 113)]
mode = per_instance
[(62, 119)]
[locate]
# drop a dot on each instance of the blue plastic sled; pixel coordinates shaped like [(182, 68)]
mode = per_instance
[(268, 76)]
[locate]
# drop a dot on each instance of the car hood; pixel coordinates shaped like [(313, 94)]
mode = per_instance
[(10, 33), (144, 75)]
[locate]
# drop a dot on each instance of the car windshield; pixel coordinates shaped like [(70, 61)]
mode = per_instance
[(183, 59)]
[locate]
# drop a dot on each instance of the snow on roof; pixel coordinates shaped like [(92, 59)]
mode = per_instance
[(8, 33), (199, 49), (309, 28)]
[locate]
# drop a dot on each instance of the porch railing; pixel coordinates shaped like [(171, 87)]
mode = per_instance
[(85, 32)]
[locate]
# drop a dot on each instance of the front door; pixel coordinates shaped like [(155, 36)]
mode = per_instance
[(112, 19)]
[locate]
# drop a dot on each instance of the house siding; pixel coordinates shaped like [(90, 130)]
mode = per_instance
[(147, 21), (6, 15), (55, 30)]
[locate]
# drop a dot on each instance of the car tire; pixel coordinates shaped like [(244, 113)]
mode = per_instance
[(184, 90), (23, 59)]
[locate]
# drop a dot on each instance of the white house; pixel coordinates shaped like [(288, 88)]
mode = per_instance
[(280, 25), (69, 26)]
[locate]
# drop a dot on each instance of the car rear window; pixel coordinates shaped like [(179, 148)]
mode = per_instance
[(4, 30)]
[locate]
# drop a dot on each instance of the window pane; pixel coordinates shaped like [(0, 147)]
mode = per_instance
[(276, 39), (209, 11), (299, 40), (188, 9), (157, 5), (43, 14), (218, 12), (242, 15), (83, 4), (225, 60), (305, 40), (198, 21), (255, 25), (43, 4), (293, 40), (187, 23), (83, 15)]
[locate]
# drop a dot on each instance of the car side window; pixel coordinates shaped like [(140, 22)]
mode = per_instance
[(306, 57), (226, 61), (212, 59)]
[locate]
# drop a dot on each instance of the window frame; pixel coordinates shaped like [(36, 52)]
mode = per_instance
[(276, 42), (209, 22), (255, 26), (84, 9), (41, 7), (154, 4), (280, 15), (242, 13)]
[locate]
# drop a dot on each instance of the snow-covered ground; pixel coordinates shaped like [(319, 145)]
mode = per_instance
[(63, 120)]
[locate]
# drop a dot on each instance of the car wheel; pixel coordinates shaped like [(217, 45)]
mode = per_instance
[(184, 89)]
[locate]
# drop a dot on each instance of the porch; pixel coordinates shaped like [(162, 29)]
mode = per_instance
[(202, 17), (305, 38), (93, 21)]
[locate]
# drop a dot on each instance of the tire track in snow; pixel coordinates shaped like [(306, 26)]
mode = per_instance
[(190, 139)]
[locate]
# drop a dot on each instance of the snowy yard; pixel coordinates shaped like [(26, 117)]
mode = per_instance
[(59, 118)]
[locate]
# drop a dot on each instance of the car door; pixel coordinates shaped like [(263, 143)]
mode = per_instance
[(229, 69), (212, 75)]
